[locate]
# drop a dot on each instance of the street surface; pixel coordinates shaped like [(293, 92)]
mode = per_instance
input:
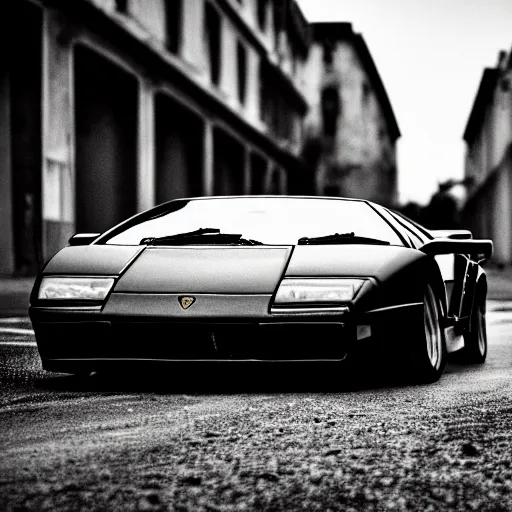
[(254, 440)]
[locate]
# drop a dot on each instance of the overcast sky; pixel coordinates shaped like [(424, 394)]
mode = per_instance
[(430, 55)]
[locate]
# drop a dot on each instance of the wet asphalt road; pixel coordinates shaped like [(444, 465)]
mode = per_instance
[(254, 440)]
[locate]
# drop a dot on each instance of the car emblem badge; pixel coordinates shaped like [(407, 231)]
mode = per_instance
[(186, 301)]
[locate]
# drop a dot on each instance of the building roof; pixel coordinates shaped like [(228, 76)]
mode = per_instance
[(482, 100), (342, 31)]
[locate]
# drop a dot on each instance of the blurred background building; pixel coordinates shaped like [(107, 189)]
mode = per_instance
[(108, 107), (488, 165), (351, 130)]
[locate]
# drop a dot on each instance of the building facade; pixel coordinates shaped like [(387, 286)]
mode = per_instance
[(350, 130), (108, 107), (488, 162)]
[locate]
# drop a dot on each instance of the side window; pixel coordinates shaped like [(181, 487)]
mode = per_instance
[(418, 237), (411, 241), (402, 233), (418, 228)]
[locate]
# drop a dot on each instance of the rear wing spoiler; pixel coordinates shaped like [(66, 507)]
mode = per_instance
[(452, 234), (478, 250)]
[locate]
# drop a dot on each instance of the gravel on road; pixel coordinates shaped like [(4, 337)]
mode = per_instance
[(250, 442)]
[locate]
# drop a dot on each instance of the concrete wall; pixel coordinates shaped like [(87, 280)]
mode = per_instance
[(502, 114), (358, 138), (501, 215), (488, 210), (486, 151), (58, 133), (360, 160), (316, 72)]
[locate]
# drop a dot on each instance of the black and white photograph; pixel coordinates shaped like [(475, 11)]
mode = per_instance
[(256, 255)]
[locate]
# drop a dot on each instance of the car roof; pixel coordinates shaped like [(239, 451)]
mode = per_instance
[(273, 196), (267, 196)]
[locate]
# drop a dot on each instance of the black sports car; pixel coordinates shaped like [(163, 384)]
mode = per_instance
[(263, 279)]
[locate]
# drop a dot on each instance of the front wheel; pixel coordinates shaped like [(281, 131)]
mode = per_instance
[(428, 357)]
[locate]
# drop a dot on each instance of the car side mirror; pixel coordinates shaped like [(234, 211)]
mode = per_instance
[(478, 250), (452, 234), (83, 238)]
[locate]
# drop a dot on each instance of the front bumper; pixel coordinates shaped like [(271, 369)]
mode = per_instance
[(71, 337), (186, 342)]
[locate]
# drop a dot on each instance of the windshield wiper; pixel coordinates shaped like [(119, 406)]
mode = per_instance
[(341, 238), (202, 236)]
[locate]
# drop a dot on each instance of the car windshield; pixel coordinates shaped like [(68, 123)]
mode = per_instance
[(269, 220)]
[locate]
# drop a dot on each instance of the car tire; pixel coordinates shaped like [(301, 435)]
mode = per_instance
[(428, 355), (475, 341)]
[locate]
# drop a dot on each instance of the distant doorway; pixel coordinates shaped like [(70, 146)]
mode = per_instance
[(229, 164), (258, 174), (21, 146), (106, 120), (179, 150)]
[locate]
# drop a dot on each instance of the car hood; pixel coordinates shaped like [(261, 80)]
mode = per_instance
[(378, 261), (206, 269)]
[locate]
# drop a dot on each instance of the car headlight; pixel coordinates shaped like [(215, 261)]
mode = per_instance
[(75, 288), (324, 290)]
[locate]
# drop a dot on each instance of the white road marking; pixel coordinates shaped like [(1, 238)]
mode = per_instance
[(18, 343), (15, 320), (15, 330), (499, 317), (499, 305)]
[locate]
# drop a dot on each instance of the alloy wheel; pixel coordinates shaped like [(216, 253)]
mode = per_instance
[(433, 335), (481, 335)]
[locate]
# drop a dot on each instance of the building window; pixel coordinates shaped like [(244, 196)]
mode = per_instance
[(330, 102), (262, 14), (284, 119), (264, 100), (328, 50), (275, 182), (173, 24), (241, 65), (122, 6), (278, 22), (366, 92), (212, 27), (276, 111)]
